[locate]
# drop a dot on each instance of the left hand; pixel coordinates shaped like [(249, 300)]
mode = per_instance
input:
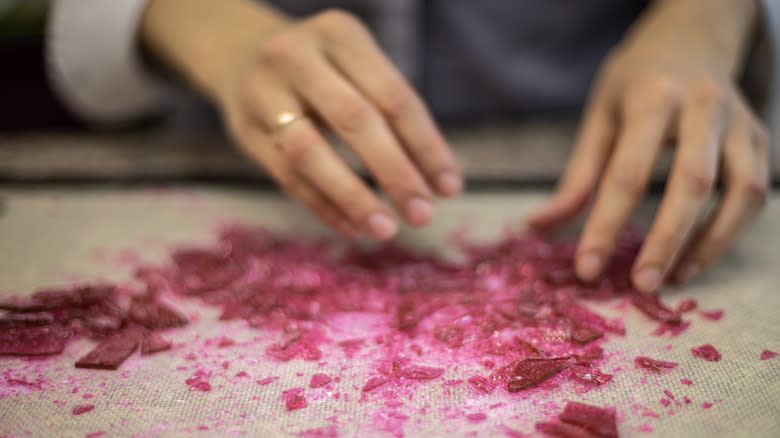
[(650, 92)]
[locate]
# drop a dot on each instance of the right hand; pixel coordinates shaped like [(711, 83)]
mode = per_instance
[(329, 70)]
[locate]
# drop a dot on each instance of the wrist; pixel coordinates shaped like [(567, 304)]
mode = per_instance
[(713, 33), (206, 41)]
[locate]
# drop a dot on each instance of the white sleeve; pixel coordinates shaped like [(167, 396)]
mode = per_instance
[(94, 61)]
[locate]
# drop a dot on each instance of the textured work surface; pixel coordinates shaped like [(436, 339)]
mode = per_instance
[(51, 238)]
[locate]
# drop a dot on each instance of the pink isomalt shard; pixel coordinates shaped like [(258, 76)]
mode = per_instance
[(110, 353), (557, 429), (706, 352), (154, 315), (33, 341), (374, 383), (766, 355), (651, 306), (152, 342), (654, 365), (418, 372), (528, 373), (599, 421)]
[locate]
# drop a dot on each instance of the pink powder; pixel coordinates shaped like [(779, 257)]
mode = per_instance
[(706, 352), (82, 409), (766, 355)]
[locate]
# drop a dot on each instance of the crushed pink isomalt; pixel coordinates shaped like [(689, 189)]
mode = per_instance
[(294, 399), (706, 352), (318, 380), (45, 322), (653, 364), (766, 355)]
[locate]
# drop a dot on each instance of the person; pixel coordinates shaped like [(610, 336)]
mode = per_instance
[(284, 74)]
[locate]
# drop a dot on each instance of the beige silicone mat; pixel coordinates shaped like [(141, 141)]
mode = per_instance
[(58, 236)]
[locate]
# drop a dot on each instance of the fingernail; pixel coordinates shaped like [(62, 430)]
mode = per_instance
[(589, 266), (687, 272), (648, 279), (418, 211), (381, 227), (449, 183)]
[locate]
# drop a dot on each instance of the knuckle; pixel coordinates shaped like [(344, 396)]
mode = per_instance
[(395, 100), (708, 93), (651, 94), (282, 49), (627, 179), (351, 115), (699, 179), (338, 23), (755, 189)]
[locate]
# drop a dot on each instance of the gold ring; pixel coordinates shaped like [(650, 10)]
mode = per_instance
[(287, 118)]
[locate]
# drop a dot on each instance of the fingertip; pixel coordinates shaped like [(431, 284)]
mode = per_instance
[(449, 184), (418, 211), (647, 279), (381, 226), (588, 266)]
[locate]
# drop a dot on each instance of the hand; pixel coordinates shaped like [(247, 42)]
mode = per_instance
[(650, 91), (328, 71)]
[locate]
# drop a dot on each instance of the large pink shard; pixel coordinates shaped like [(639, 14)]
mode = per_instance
[(706, 352), (154, 315), (529, 373), (584, 335), (33, 341), (563, 430), (417, 372), (599, 421), (651, 306), (653, 364), (110, 354), (152, 342)]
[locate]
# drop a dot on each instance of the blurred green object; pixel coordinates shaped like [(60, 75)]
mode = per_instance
[(22, 19)]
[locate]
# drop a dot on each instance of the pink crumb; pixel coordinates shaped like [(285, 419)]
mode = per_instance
[(712, 315), (476, 417), (688, 382), (294, 399), (646, 428), (766, 355), (82, 409), (199, 381), (242, 374), (706, 352), (318, 380), (706, 405), (266, 380), (96, 434), (665, 401), (203, 427)]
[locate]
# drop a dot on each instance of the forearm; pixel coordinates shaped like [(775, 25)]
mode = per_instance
[(717, 32), (197, 37)]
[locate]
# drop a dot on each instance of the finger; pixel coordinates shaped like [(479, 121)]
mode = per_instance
[(591, 151), (645, 120), (352, 49), (746, 173), (362, 127), (690, 186), (259, 146), (302, 149)]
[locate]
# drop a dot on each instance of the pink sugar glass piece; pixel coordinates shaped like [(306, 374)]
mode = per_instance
[(706, 352), (319, 380), (600, 421), (199, 381), (82, 409), (294, 399), (766, 355), (712, 315), (653, 364)]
